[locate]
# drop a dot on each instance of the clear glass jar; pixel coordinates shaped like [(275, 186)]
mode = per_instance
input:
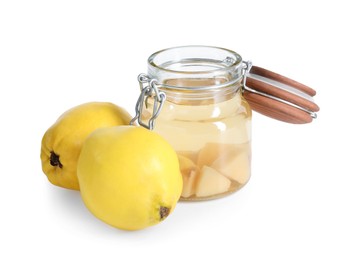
[(204, 117)]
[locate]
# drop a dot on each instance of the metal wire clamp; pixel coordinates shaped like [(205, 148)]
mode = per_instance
[(149, 89)]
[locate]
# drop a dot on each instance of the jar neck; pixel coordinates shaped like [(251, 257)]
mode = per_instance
[(195, 69), (196, 96)]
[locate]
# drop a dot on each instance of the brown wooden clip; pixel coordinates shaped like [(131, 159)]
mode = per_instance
[(279, 97)]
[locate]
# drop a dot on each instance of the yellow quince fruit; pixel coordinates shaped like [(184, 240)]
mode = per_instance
[(62, 142), (129, 177)]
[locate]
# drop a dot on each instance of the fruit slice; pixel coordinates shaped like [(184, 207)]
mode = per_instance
[(192, 155), (235, 167), (211, 183), (199, 132), (205, 110), (189, 173), (237, 129), (189, 181), (185, 164), (212, 151)]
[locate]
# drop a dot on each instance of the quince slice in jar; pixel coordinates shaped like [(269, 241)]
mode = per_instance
[(212, 151), (194, 109), (211, 183), (191, 135), (189, 173), (234, 166), (191, 155), (235, 129)]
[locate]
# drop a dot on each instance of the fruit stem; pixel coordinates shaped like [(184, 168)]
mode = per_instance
[(163, 212), (54, 160)]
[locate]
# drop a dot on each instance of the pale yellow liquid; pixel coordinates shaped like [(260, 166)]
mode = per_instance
[(212, 138)]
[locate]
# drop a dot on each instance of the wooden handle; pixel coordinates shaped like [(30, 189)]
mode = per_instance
[(276, 110), (282, 94), (277, 77)]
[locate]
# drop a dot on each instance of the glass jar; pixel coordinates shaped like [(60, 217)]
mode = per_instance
[(204, 117)]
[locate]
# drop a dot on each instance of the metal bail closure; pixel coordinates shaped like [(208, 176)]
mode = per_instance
[(277, 96), (149, 89)]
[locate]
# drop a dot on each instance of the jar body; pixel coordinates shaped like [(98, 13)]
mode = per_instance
[(208, 123)]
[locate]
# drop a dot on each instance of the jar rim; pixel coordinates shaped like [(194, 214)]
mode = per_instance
[(237, 61)]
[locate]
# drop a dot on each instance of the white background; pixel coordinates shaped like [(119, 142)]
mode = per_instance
[(301, 200)]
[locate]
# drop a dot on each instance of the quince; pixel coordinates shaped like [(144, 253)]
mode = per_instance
[(62, 142), (129, 177)]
